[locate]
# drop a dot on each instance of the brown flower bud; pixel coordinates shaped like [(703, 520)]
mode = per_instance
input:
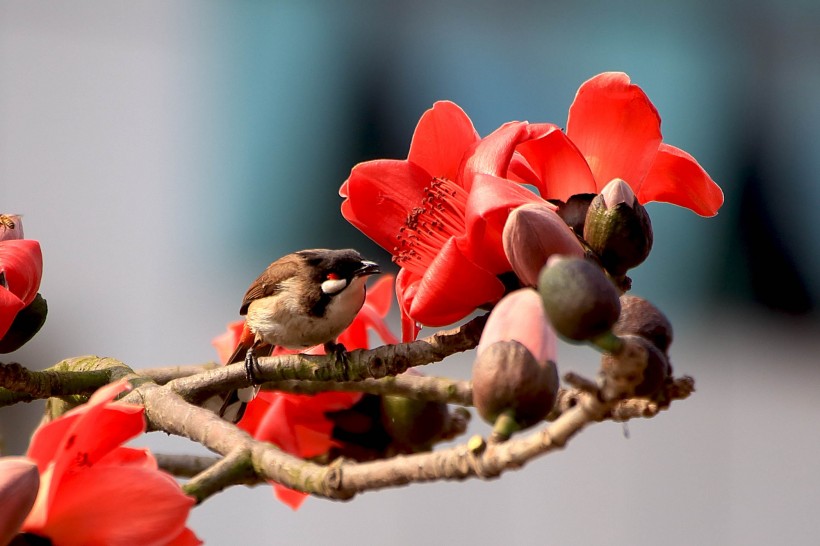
[(574, 211), (532, 233), (413, 424), (644, 379), (642, 318), (618, 228), (582, 303), (508, 378), (27, 323)]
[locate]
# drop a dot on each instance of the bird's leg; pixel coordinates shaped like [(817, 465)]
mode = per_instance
[(338, 350), (251, 364)]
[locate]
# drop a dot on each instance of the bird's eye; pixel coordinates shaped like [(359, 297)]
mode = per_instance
[(332, 277)]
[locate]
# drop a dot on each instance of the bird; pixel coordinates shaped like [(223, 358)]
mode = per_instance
[(301, 300)]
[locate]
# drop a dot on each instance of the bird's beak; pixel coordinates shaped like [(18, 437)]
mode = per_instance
[(367, 268)]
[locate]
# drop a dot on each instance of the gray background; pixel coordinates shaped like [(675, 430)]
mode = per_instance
[(164, 153)]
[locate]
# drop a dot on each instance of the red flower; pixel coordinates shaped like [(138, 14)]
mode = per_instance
[(297, 423), (614, 131), (21, 268), (93, 490), (442, 225)]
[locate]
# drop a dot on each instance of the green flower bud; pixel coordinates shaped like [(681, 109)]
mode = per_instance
[(618, 228), (581, 302), (414, 424)]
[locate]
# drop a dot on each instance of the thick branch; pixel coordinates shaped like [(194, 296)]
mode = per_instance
[(355, 366)]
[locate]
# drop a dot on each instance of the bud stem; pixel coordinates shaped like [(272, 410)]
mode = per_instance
[(607, 342), (505, 426)]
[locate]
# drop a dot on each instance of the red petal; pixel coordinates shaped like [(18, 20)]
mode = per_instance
[(380, 295), (677, 178), (291, 497), (616, 127), (10, 305), (494, 153), (488, 206), (407, 284), (156, 508), (94, 430), (452, 288), (561, 168), (380, 194), (225, 343), (442, 137), (21, 261)]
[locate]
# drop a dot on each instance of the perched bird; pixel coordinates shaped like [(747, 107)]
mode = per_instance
[(303, 299)]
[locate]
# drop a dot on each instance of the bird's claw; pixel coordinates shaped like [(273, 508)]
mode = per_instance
[(339, 351), (251, 365)]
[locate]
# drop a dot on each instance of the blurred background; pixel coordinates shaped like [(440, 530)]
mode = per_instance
[(165, 152)]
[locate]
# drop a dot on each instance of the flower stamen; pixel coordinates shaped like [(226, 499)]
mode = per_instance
[(429, 226)]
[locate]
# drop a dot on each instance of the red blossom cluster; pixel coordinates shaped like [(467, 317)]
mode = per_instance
[(441, 212)]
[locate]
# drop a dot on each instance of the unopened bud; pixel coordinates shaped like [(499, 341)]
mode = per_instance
[(19, 483), (532, 233), (640, 369), (642, 318), (520, 316), (413, 424), (27, 322), (581, 302), (514, 372), (11, 227), (618, 228), (508, 379), (574, 211)]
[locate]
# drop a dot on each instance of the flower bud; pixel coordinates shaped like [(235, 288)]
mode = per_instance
[(514, 370), (642, 318), (413, 424), (532, 233), (574, 211), (28, 322), (642, 380), (19, 483), (618, 228), (581, 302), (11, 227)]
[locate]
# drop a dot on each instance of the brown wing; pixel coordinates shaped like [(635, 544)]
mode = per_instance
[(270, 281)]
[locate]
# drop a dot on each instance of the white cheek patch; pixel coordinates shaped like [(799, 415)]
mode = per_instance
[(333, 286)]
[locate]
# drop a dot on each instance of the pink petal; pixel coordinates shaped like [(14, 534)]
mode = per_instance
[(442, 137), (561, 168), (520, 316), (677, 178), (380, 194), (616, 127), (19, 482)]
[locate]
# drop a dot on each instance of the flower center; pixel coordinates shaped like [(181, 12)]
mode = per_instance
[(429, 226)]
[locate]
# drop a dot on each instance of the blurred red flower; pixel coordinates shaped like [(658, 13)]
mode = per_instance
[(21, 268), (95, 491)]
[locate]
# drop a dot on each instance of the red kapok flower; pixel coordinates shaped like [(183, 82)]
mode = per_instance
[(297, 423), (82, 462), (21, 268), (442, 227), (614, 131)]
